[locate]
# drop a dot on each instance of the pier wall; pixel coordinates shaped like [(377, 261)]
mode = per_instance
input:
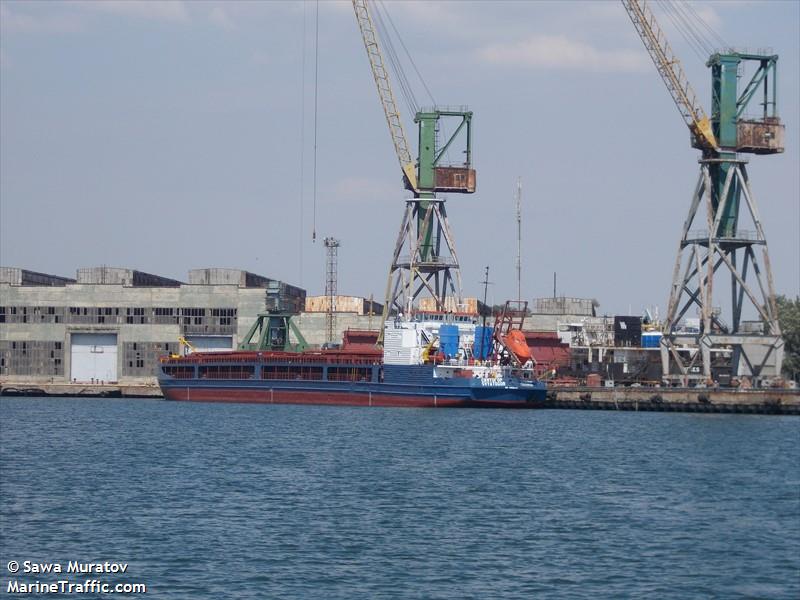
[(767, 401), (760, 401)]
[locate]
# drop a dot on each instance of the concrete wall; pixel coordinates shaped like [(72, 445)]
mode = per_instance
[(32, 338), (314, 326), (17, 276), (562, 305), (124, 276), (540, 322)]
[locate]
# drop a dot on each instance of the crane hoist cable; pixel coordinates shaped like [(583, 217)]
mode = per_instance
[(408, 54), (316, 103), (381, 77), (698, 26), (382, 15), (406, 89), (671, 72), (719, 40), (695, 43), (703, 39), (302, 142)]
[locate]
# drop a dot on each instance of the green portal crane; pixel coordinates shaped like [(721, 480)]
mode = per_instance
[(755, 347), (762, 134), (424, 258), (274, 331)]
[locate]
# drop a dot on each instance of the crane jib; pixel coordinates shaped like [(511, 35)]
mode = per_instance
[(671, 72), (381, 76)]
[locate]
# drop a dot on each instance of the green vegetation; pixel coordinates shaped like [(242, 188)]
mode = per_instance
[(789, 317)]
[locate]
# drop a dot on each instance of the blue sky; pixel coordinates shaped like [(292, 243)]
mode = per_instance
[(166, 136)]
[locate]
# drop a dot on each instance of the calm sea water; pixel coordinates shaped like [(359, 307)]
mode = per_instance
[(238, 501)]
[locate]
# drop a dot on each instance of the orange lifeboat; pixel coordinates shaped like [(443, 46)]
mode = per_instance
[(515, 342)]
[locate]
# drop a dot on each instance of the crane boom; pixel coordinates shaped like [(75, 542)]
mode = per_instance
[(671, 71), (381, 76)]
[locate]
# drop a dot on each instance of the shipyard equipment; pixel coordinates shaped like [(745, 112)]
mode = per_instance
[(186, 346), (424, 258), (722, 232), (508, 332), (331, 279), (274, 331)]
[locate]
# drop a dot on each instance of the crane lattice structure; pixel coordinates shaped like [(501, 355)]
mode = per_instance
[(331, 281), (722, 231), (424, 259)]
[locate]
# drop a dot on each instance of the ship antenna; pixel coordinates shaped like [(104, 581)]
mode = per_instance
[(485, 283)]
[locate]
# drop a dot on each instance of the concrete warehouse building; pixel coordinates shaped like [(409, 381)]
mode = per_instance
[(112, 324)]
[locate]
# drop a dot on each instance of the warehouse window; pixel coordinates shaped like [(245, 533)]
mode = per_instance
[(224, 315)]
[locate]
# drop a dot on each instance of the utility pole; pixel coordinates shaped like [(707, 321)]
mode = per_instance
[(485, 283), (480, 342), (331, 264), (519, 239)]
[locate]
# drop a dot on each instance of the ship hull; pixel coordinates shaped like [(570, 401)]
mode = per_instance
[(365, 395), (341, 378)]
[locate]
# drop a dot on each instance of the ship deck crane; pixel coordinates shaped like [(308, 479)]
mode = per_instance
[(755, 347), (186, 346), (424, 259)]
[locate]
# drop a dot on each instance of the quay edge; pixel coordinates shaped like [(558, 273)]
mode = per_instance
[(710, 400), (27, 388)]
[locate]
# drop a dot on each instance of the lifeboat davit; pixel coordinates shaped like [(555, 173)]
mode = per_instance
[(518, 346)]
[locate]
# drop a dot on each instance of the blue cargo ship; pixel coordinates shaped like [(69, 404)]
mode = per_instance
[(423, 363)]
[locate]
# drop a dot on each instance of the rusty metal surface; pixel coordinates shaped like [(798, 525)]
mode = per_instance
[(467, 305), (760, 137), (348, 304), (455, 179)]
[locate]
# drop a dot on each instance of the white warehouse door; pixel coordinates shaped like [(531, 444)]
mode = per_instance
[(211, 343), (93, 357)]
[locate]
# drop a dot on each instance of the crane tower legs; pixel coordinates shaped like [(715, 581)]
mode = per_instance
[(415, 268), (719, 347)]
